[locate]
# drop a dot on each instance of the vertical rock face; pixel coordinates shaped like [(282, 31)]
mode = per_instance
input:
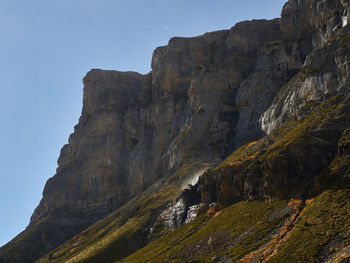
[(93, 167), (315, 20), (205, 96), (135, 129), (201, 100), (320, 26)]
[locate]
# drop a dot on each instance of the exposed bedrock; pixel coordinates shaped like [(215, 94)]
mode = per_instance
[(204, 97), (135, 129)]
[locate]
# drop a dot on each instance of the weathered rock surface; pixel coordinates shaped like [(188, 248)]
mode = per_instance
[(325, 71), (135, 129), (313, 21), (284, 164), (93, 167), (205, 96)]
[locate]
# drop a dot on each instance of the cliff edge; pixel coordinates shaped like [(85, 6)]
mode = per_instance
[(205, 97)]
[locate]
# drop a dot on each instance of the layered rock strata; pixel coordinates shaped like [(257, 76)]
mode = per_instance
[(200, 101), (204, 97)]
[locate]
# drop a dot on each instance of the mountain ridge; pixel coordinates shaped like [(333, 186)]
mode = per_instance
[(138, 134)]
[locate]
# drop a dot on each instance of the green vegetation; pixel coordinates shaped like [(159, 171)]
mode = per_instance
[(249, 225), (296, 132), (242, 231), (12, 255), (279, 160), (125, 230), (338, 38), (293, 132), (250, 217), (326, 217), (244, 153)]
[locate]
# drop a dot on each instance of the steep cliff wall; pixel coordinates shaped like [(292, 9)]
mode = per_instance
[(321, 25), (135, 129), (205, 97), (306, 117), (199, 102)]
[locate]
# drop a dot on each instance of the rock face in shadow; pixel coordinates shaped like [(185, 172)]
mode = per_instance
[(93, 168), (204, 97)]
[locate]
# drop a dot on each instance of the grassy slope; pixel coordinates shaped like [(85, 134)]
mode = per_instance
[(284, 162), (323, 218), (236, 219), (244, 226), (125, 230), (242, 231), (327, 216)]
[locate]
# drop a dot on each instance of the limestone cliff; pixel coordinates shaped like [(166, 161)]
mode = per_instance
[(135, 129), (204, 97), (325, 72)]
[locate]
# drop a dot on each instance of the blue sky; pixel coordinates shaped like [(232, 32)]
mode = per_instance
[(47, 46)]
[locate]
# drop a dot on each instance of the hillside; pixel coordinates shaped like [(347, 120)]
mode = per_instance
[(234, 148)]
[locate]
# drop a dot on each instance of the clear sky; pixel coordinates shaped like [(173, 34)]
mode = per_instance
[(47, 46)]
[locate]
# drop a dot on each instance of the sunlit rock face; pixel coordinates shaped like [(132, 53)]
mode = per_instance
[(324, 71), (183, 210), (197, 103), (313, 20), (204, 97)]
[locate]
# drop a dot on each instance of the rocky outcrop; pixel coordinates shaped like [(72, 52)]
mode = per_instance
[(324, 74), (313, 21), (91, 176), (204, 97), (298, 160), (325, 71), (135, 129)]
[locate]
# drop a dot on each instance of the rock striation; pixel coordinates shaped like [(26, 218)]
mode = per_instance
[(204, 97), (321, 27), (199, 102)]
